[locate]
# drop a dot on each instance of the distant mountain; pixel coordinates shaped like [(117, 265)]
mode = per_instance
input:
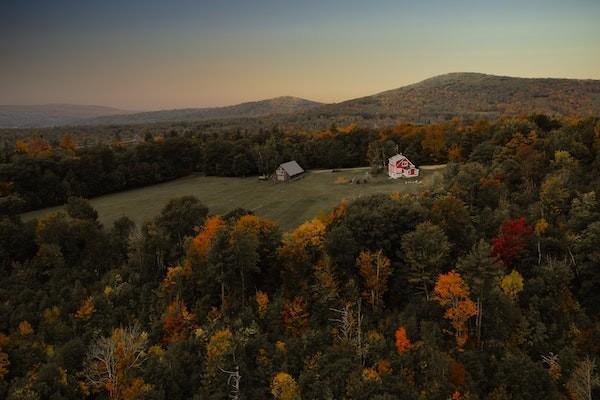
[(470, 96), (465, 95), (48, 115), (276, 106)]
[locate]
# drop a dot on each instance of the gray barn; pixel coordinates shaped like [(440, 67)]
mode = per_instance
[(287, 171)]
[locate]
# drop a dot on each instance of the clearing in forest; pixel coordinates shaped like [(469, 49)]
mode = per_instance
[(288, 204)]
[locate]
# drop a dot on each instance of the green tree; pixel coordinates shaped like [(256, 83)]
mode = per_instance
[(426, 250), (179, 218)]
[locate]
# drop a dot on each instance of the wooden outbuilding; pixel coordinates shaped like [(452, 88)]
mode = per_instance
[(287, 171)]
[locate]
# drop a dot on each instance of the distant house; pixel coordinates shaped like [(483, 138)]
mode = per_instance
[(287, 171), (400, 167)]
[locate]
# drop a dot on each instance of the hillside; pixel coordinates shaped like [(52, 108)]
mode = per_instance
[(470, 96), (278, 105), (465, 95), (47, 115)]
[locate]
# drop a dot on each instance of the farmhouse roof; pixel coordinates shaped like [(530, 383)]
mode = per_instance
[(398, 157), (292, 168)]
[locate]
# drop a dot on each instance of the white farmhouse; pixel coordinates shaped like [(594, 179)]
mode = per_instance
[(400, 167)]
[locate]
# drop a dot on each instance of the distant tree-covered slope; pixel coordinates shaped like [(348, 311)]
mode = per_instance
[(278, 105), (46, 115), (470, 96)]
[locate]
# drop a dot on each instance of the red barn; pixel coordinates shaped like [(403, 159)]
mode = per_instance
[(400, 167)]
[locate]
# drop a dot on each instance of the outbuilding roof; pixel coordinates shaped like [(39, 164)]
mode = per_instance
[(292, 168)]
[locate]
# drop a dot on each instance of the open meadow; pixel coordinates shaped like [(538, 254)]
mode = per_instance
[(288, 204)]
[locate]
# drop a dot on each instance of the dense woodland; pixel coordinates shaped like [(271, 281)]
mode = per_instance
[(37, 173), (487, 287)]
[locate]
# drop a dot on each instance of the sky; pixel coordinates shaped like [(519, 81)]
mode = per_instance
[(149, 54)]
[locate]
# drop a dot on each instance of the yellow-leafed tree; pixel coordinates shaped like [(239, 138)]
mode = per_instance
[(284, 387)]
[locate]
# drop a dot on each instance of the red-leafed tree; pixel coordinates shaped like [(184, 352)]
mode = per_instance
[(511, 241)]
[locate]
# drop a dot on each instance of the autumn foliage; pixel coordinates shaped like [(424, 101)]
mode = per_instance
[(284, 387), (512, 284), (112, 363), (36, 147), (236, 308), (452, 293), (177, 322), (295, 316), (86, 309), (25, 328), (310, 234), (403, 343), (4, 365), (509, 245), (262, 303), (205, 238), (220, 343), (375, 269)]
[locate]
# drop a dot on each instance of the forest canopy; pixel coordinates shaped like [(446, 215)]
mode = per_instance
[(486, 287)]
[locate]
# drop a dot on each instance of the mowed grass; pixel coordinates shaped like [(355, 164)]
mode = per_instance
[(288, 204)]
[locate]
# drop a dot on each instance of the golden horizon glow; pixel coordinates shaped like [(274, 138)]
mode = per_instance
[(156, 55)]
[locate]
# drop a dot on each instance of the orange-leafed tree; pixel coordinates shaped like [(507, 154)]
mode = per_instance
[(205, 238), (337, 212), (219, 345), (35, 147), (452, 293), (67, 143), (457, 374), (172, 283), (455, 153), (22, 146), (434, 140), (207, 256), (39, 146), (24, 328), (403, 343), (262, 303), (177, 322), (294, 316), (4, 364), (375, 269), (86, 309)]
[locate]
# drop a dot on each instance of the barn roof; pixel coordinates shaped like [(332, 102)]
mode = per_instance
[(292, 168)]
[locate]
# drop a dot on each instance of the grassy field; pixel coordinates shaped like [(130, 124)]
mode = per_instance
[(289, 204)]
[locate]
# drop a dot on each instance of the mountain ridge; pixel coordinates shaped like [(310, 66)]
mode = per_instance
[(62, 114), (50, 114), (466, 95), (473, 95), (250, 109)]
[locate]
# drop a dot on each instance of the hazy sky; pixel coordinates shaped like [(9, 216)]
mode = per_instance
[(148, 54)]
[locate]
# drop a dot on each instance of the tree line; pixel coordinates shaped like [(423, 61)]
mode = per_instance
[(38, 174)]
